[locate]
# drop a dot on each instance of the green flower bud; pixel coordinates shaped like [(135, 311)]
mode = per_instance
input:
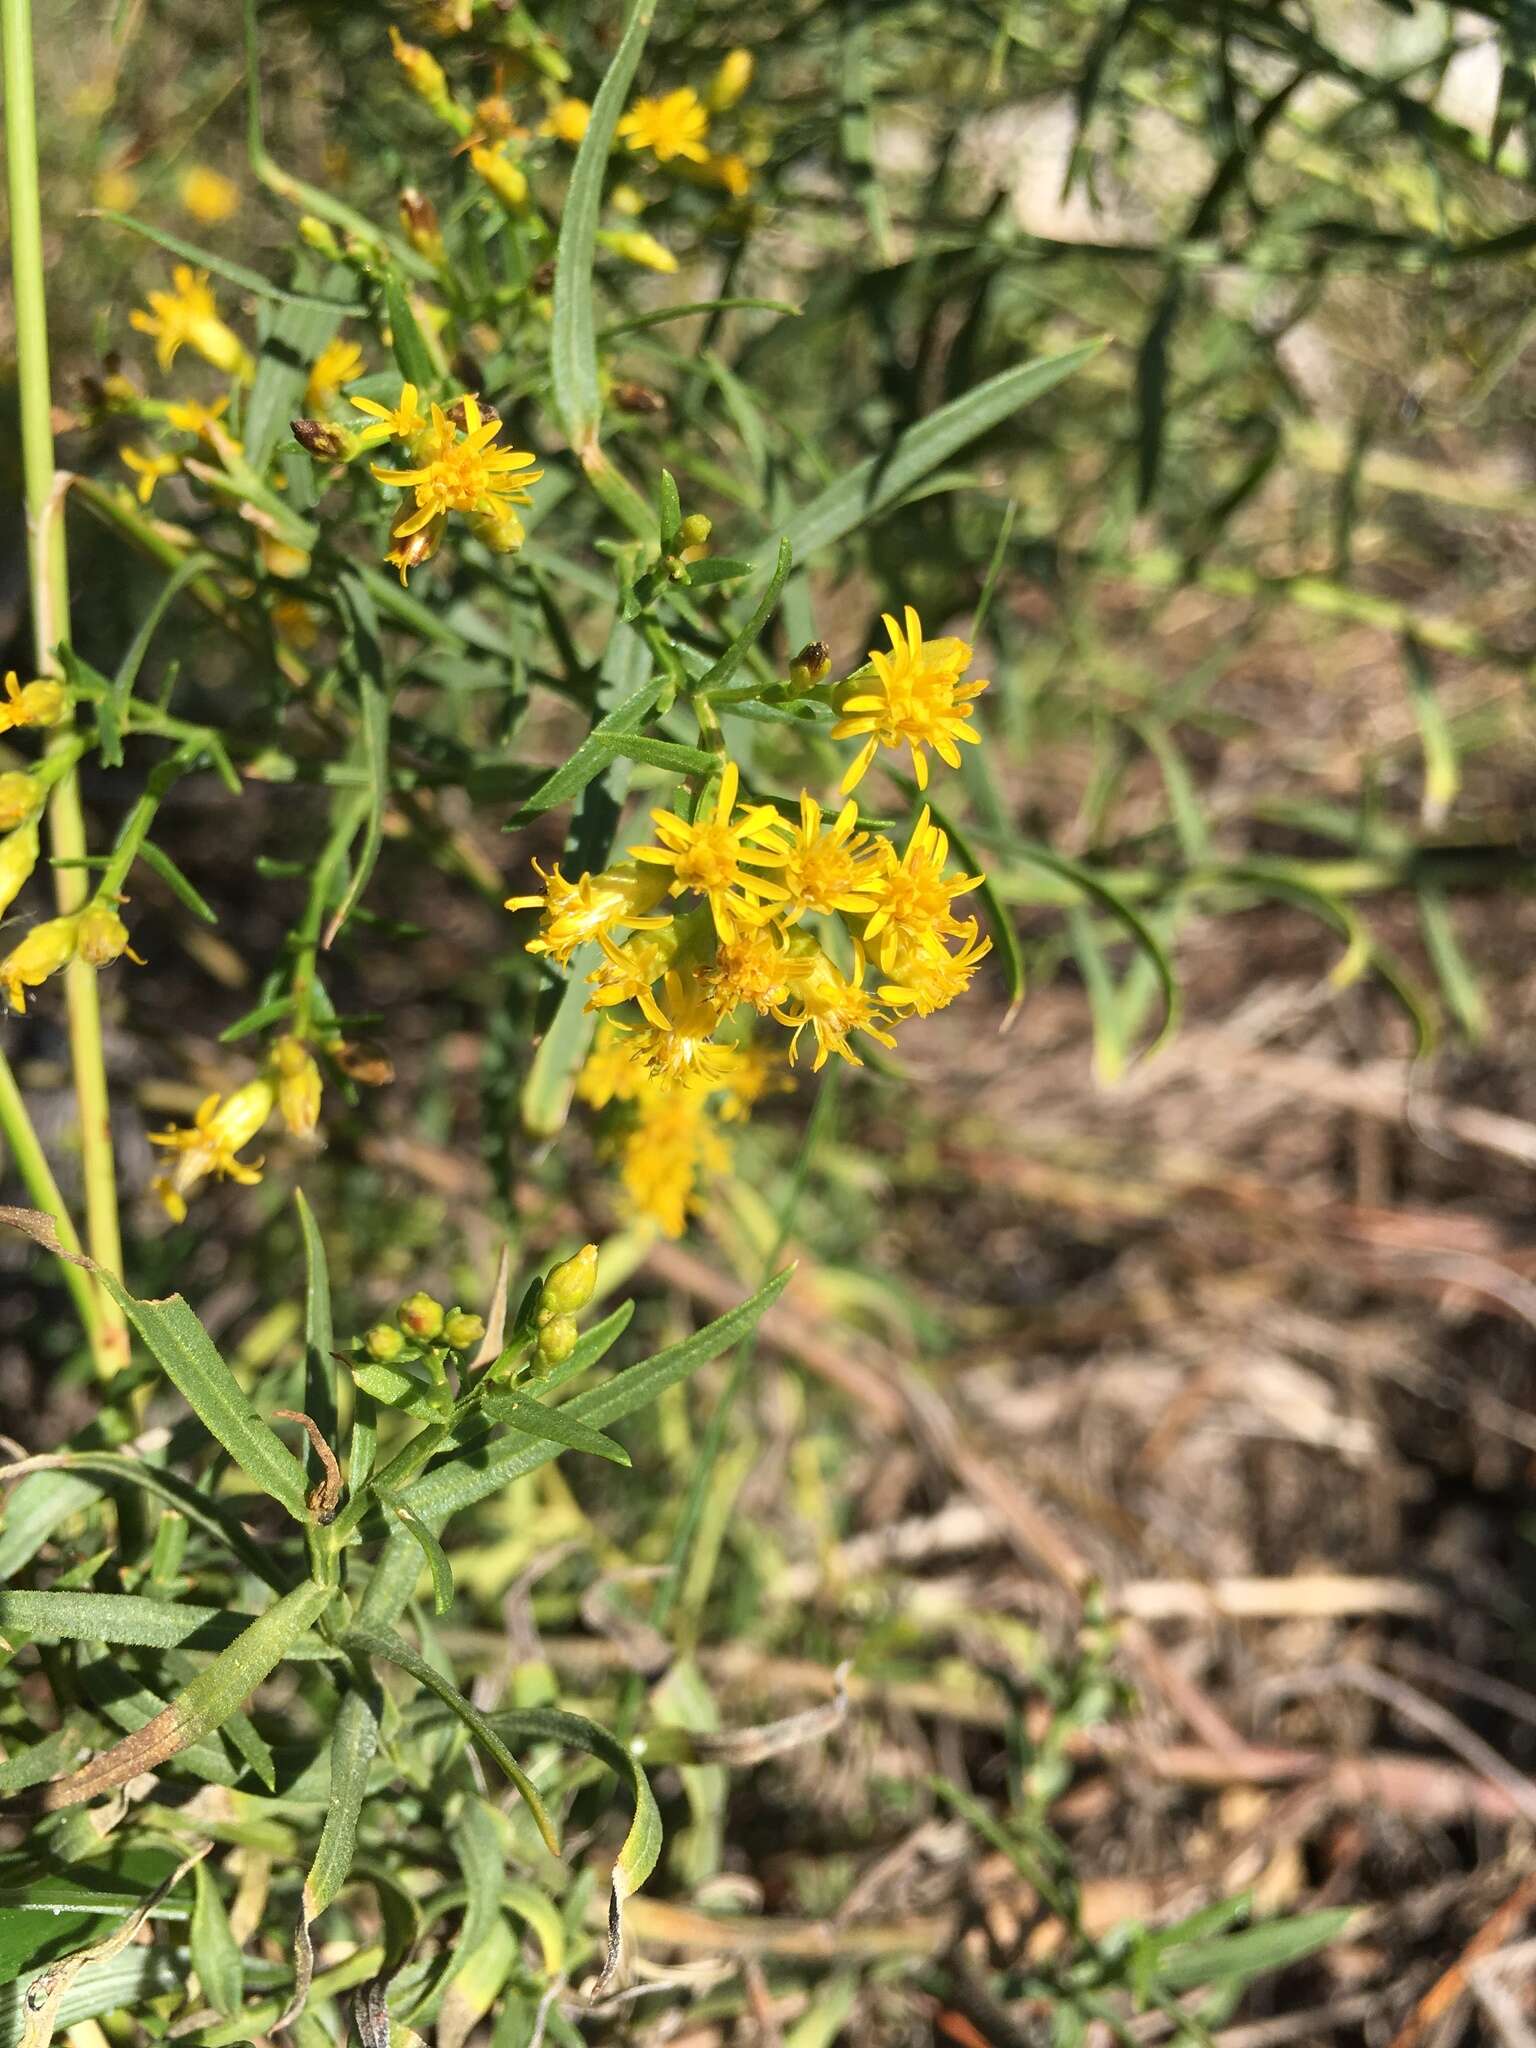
[(319, 237), (570, 1286), (384, 1343), (420, 1317), (462, 1332), (695, 530), (558, 1339)]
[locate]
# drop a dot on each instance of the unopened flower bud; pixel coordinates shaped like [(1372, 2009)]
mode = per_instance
[(319, 237), (571, 1284), (462, 1331), (505, 178), (638, 398), (41, 704), (43, 951), (383, 1343), (410, 550), (298, 1085), (421, 1317), (319, 438), (18, 857), (423, 73), (100, 936), (418, 217), (695, 530), (812, 665), (21, 798), (636, 246), (558, 1339), (730, 81)]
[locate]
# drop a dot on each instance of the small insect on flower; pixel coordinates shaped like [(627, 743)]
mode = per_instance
[(338, 363), (460, 473), (716, 856), (222, 1127), (913, 895), (41, 704), (675, 124), (915, 699), (189, 315), (151, 467), (576, 912)]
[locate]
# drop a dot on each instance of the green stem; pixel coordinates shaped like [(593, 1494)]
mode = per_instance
[(50, 620), (37, 1178)]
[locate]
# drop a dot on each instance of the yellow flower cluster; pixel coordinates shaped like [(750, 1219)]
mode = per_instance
[(96, 935), (674, 126), (189, 316), (740, 914), (456, 467), (224, 1125)]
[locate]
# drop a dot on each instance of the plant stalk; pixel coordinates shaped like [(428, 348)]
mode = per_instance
[(49, 574)]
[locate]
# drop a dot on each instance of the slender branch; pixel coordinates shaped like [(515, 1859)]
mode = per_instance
[(50, 620)]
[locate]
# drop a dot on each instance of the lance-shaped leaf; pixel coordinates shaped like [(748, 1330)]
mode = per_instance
[(120, 1618), (354, 1739), (215, 1952), (554, 1425), (642, 1845), (394, 1649), (203, 1705)]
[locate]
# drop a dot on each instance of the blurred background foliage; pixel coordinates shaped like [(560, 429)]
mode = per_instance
[(1220, 1245)]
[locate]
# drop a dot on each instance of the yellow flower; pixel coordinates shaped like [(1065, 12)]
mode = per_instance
[(41, 703), (833, 1005), (759, 1070), (913, 894), (830, 868), (672, 1144), (423, 73), (207, 194), (915, 698), (505, 178), (627, 972), (222, 1127), (927, 977), (338, 363), (674, 125), (567, 121), (611, 1072), (461, 473), (18, 857), (150, 467), (116, 188), (715, 856), (101, 936), (191, 416), (576, 912), (21, 798), (298, 1085), (190, 315), (754, 967), (636, 246), (44, 950), (677, 1043), (732, 172), (730, 81), (402, 422)]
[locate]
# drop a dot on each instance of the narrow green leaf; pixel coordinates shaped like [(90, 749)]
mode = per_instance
[(458, 1484), (394, 1649), (431, 1550), (126, 1618), (719, 674), (411, 352), (185, 1351), (393, 1387), (1458, 983), (658, 316), (206, 1703), (475, 1838), (642, 1845), (657, 753), (863, 492), (354, 1740), (159, 862), (572, 344), (669, 512), (1109, 898), (221, 266), (551, 1425), (1251, 1952), (34, 1508), (215, 1952), (319, 1335), (1442, 769), (373, 721), (111, 712), (592, 756)]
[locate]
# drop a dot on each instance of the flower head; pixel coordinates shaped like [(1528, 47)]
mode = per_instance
[(673, 125), (189, 315), (150, 466), (461, 473), (42, 703), (611, 1072), (672, 1144), (928, 976), (207, 194), (716, 856), (43, 951), (676, 1043), (636, 246), (567, 121), (915, 699), (913, 895), (731, 80), (402, 422), (576, 912), (830, 868), (222, 1127), (755, 967), (338, 363), (833, 1004), (191, 416), (628, 971), (758, 1070), (101, 936), (508, 180)]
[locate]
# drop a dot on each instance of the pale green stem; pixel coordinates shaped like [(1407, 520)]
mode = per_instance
[(37, 1178), (50, 617)]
